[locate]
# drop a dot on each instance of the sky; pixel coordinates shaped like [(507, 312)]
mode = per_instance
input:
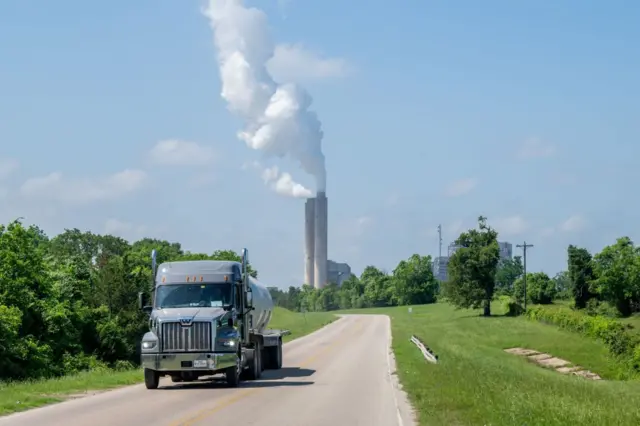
[(432, 112)]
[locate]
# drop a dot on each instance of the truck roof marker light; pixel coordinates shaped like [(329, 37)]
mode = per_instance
[(226, 278), (194, 278), (201, 278), (164, 279), (188, 278)]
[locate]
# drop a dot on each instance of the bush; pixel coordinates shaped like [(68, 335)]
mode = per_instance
[(123, 365), (510, 306), (618, 337), (595, 307), (541, 289)]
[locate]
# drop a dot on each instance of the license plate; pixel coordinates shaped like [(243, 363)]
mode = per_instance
[(200, 363)]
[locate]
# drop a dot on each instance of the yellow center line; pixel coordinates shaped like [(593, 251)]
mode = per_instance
[(226, 402)]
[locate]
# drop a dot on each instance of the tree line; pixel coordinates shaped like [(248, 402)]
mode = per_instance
[(410, 283), (69, 303), (607, 283)]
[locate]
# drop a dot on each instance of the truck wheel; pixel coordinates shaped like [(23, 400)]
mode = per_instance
[(254, 372), (277, 356), (151, 379), (232, 374), (267, 358)]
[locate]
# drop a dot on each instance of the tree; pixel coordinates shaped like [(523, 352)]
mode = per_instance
[(414, 281), (562, 283), (617, 271), (472, 268), (580, 275), (377, 287), (540, 289), (509, 270)]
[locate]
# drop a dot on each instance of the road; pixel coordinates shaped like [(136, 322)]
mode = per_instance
[(336, 376)]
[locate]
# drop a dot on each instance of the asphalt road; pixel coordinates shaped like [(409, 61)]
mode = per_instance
[(337, 376)]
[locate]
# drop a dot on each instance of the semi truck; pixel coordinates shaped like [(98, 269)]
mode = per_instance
[(208, 317)]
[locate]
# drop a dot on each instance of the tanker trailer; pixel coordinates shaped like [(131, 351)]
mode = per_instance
[(208, 317)]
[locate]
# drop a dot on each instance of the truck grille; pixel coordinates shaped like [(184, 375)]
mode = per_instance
[(193, 338)]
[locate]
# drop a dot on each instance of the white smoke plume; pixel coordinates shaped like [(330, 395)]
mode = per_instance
[(277, 116), (283, 184)]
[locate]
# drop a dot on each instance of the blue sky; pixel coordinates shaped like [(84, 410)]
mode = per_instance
[(432, 112)]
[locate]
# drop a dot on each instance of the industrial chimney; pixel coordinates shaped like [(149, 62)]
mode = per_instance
[(320, 250), (309, 241)]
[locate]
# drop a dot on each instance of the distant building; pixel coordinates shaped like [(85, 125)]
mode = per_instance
[(452, 249), (338, 272), (440, 268), (506, 250)]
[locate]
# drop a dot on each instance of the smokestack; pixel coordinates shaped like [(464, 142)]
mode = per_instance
[(320, 264), (309, 241)]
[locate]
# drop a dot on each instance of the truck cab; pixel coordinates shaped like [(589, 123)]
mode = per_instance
[(201, 324)]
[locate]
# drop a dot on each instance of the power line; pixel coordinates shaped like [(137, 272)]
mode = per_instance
[(524, 248)]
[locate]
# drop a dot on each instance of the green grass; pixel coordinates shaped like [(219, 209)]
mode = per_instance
[(298, 323), (21, 396), (477, 383)]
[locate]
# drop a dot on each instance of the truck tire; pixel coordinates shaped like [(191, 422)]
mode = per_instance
[(255, 371), (267, 358), (277, 356), (151, 379), (232, 374)]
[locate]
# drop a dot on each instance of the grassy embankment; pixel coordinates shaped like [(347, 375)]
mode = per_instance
[(477, 383), (25, 395)]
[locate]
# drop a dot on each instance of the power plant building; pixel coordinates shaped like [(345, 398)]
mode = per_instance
[(338, 272), (506, 250)]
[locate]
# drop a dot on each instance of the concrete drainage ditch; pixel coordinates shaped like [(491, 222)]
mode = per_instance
[(558, 364)]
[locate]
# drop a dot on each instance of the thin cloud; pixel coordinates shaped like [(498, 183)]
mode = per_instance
[(55, 187), (511, 225), (573, 224), (8, 166), (460, 187), (176, 152), (535, 148)]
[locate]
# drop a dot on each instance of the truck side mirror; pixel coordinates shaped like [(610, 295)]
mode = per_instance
[(142, 304), (141, 301), (249, 298)]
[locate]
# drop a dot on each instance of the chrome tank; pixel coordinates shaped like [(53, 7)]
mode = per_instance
[(263, 305)]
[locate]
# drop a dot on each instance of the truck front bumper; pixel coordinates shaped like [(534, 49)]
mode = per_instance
[(205, 362)]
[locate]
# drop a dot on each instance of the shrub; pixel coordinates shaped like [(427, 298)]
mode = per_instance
[(618, 337), (123, 365), (540, 289), (510, 306), (595, 307)]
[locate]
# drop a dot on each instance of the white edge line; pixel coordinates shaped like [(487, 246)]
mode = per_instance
[(391, 378)]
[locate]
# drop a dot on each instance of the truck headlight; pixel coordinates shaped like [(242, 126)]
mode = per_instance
[(227, 343), (150, 344)]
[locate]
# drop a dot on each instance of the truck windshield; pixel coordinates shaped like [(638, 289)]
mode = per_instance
[(193, 295)]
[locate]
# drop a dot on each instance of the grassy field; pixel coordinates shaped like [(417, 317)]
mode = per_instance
[(477, 383), (25, 395), (299, 324)]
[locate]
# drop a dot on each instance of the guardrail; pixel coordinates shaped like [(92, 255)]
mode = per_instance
[(426, 352)]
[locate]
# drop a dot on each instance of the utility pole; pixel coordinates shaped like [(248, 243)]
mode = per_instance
[(439, 241), (524, 248)]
